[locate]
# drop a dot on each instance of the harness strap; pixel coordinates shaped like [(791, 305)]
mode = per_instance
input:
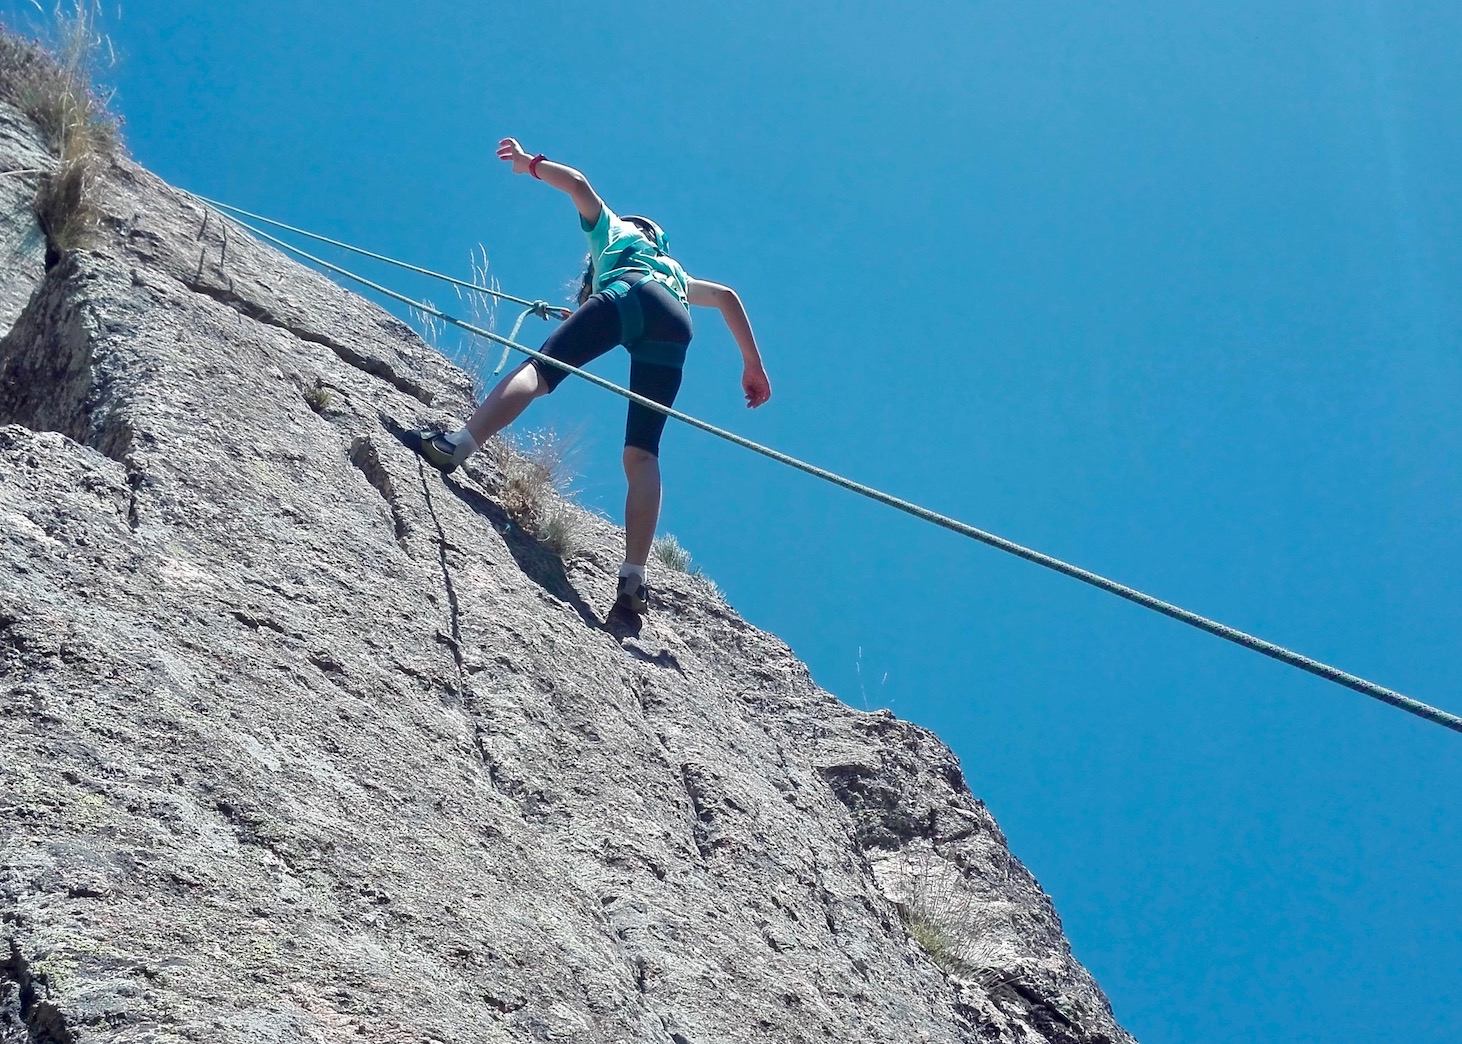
[(631, 316), (632, 325)]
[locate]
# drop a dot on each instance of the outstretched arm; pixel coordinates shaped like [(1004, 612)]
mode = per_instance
[(754, 380), (565, 179)]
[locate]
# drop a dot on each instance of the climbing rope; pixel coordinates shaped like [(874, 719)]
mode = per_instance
[(542, 309), (1202, 623)]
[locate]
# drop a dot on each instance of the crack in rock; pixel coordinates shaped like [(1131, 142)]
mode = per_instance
[(451, 588), (28, 1015), (367, 460), (702, 815)]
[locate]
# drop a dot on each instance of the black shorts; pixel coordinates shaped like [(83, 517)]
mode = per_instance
[(647, 319)]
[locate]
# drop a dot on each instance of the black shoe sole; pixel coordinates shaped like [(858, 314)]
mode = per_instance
[(627, 606)]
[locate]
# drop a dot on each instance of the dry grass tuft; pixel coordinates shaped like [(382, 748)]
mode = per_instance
[(52, 82), (964, 934), (562, 530), (535, 488), (672, 554), (474, 354), (431, 327), (319, 398), (669, 553)]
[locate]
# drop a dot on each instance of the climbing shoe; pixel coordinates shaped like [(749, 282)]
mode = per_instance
[(436, 450), (633, 596)]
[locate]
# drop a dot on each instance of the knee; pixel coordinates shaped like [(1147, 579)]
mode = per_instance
[(637, 461), (530, 377)]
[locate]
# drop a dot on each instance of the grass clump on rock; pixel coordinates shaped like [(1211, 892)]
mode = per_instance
[(319, 398), (535, 488), (671, 554), (52, 82), (966, 935)]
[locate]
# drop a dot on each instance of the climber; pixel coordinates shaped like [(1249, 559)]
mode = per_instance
[(635, 294)]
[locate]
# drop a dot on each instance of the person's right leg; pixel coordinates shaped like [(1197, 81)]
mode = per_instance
[(507, 401), (584, 336), (656, 358)]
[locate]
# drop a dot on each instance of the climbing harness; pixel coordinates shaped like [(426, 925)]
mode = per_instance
[(1202, 623)]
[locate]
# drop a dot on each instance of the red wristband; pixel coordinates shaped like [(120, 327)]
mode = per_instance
[(533, 165)]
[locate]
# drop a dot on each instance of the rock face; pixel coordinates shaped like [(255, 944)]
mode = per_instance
[(304, 742), (22, 244)]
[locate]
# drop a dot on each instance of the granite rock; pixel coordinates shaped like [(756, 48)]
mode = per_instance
[(305, 742)]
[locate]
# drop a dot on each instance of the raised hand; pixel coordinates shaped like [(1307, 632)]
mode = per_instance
[(509, 151)]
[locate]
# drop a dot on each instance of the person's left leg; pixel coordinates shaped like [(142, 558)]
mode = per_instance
[(643, 428), (641, 504)]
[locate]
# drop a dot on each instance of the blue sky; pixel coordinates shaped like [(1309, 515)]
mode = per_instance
[(1168, 290)]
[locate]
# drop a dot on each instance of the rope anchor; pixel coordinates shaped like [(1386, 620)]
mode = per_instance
[(538, 308)]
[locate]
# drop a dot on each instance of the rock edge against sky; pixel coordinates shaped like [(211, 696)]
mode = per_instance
[(305, 742)]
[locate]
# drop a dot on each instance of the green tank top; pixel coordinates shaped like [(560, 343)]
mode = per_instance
[(619, 247)]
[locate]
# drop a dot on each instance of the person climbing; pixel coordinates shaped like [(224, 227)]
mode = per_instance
[(633, 294)]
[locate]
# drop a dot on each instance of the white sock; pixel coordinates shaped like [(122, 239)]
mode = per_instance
[(462, 443), (636, 571)]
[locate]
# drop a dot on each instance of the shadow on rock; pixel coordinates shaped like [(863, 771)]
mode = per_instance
[(538, 564), (664, 658)]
